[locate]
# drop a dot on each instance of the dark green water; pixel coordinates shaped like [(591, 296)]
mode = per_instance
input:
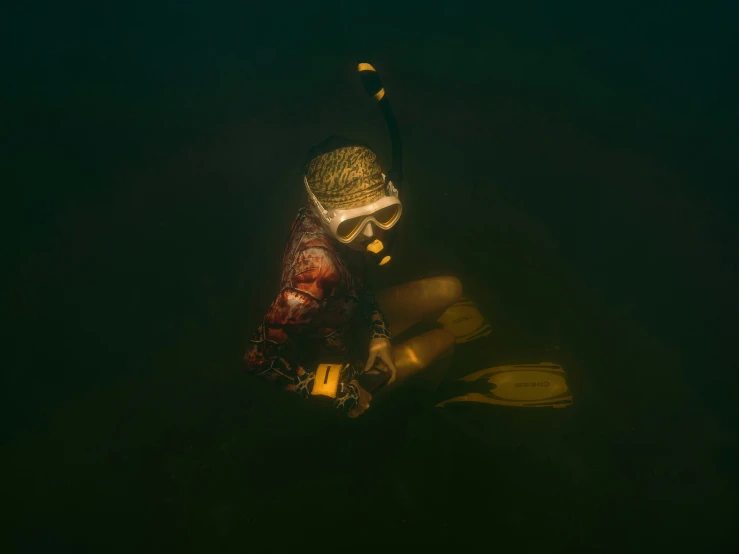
[(575, 166)]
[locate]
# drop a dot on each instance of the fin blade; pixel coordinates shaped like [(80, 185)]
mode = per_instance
[(526, 385)]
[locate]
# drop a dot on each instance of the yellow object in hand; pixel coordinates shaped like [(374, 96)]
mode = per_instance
[(327, 380)]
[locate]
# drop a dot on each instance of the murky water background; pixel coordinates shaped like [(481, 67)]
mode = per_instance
[(575, 166)]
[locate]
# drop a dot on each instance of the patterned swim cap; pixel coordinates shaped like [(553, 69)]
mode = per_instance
[(346, 177)]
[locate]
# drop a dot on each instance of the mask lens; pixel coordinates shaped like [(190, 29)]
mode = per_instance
[(387, 215), (348, 226)]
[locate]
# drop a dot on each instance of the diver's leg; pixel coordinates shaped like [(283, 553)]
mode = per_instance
[(407, 304), (418, 353)]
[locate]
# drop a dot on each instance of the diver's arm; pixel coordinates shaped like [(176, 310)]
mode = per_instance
[(375, 318), (272, 356)]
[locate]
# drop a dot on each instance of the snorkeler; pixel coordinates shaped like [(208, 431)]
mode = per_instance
[(328, 335)]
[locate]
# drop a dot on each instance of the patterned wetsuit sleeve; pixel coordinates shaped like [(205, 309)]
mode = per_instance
[(375, 318), (293, 315), (271, 352)]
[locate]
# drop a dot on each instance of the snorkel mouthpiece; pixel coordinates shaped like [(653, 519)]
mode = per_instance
[(375, 248)]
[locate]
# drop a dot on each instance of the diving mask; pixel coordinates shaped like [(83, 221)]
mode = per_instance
[(345, 224)]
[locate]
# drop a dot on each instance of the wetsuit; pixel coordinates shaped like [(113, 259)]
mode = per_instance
[(322, 306)]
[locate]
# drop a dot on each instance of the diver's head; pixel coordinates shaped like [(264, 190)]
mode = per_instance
[(349, 193)]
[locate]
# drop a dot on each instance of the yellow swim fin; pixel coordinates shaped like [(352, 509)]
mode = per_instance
[(526, 385), (465, 322)]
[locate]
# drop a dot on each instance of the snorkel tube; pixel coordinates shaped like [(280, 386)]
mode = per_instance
[(378, 250)]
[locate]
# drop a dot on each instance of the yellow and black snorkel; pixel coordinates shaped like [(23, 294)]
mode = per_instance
[(380, 251)]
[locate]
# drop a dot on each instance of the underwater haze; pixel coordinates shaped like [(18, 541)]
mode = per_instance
[(574, 164)]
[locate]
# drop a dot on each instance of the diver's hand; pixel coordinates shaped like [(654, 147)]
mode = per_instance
[(381, 348), (362, 404)]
